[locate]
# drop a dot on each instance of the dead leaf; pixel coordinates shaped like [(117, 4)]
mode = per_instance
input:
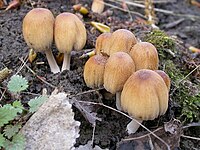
[(13, 4), (88, 54), (32, 55), (195, 3), (1, 4), (87, 110), (194, 49), (101, 27), (59, 58)]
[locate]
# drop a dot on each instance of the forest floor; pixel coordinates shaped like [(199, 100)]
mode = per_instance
[(181, 23)]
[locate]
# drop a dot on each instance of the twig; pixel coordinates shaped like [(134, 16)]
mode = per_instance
[(101, 104), (190, 137), (132, 12), (162, 10), (2, 95), (194, 124), (184, 79), (30, 93), (93, 132), (36, 74), (22, 66), (139, 137), (86, 92)]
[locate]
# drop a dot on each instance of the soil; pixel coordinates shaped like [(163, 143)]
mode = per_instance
[(112, 128)]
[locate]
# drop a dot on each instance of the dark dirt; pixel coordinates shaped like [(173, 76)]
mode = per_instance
[(112, 127)]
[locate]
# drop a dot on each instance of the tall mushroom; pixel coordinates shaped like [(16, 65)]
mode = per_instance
[(69, 33), (38, 33), (145, 56), (144, 97), (94, 71), (118, 69)]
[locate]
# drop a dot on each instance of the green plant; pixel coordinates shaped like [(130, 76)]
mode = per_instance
[(184, 93), (163, 43), (10, 114)]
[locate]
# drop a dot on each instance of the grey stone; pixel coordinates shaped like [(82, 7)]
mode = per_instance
[(53, 126)]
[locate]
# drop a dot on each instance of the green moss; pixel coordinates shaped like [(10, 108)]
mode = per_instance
[(164, 44), (182, 93)]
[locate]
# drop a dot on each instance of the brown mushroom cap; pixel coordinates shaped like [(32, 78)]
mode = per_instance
[(122, 40), (103, 43), (118, 69), (94, 71), (145, 95), (165, 78), (69, 33), (38, 29), (98, 6), (145, 56)]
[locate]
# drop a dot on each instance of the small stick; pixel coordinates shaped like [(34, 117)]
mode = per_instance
[(190, 137), (93, 132), (36, 74)]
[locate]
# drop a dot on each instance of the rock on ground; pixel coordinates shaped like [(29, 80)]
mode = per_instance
[(53, 126)]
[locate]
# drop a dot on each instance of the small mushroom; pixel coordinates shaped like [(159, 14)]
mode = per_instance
[(103, 43), (122, 40), (144, 97), (118, 69), (145, 56), (94, 71), (69, 33), (38, 33), (165, 78), (98, 6)]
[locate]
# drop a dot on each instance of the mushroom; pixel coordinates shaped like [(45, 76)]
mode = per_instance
[(118, 69), (103, 43), (69, 33), (98, 6), (144, 97), (94, 71), (145, 56), (165, 78), (122, 40), (38, 33)]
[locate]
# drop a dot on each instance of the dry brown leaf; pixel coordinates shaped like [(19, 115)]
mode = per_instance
[(13, 4), (1, 4), (87, 110), (194, 49), (101, 27)]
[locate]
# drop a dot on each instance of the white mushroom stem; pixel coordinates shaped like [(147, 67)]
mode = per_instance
[(52, 62), (66, 61), (133, 126), (118, 100)]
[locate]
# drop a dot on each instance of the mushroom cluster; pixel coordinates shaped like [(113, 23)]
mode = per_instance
[(130, 70), (40, 28)]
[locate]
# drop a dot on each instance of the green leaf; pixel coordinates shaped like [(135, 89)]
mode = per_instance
[(17, 84), (7, 113), (11, 130), (18, 105), (2, 141), (17, 143), (36, 103)]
